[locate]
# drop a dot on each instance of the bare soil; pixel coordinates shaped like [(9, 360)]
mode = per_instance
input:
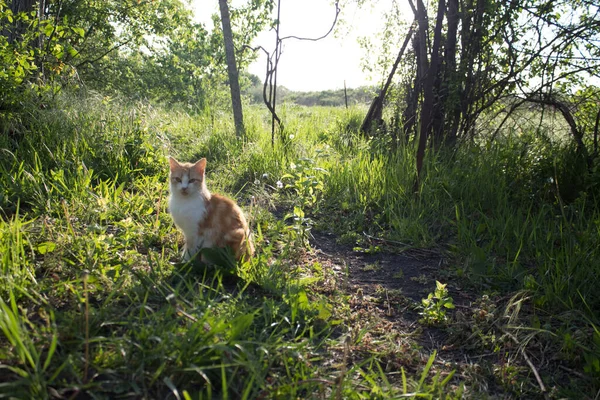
[(402, 278), (385, 289)]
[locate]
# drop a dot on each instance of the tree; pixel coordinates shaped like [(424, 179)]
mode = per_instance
[(17, 7), (234, 84), (270, 85), (488, 57), (74, 39)]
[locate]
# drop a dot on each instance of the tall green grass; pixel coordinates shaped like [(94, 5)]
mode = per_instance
[(94, 301)]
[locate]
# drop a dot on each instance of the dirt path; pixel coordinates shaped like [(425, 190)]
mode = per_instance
[(402, 279), (384, 289)]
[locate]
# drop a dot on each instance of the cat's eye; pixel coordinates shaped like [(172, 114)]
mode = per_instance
[(193, 180), (178, 180)]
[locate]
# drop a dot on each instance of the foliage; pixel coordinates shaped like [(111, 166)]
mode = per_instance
[(433, 308), (140, 49), (34, 54), (16, 258), (473, 59), (326, 98), (306, 185), (305, 182)]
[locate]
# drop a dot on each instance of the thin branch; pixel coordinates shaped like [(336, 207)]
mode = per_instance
[(270, 84), (506, 117), (118, 46), (337, 13), (56, 18), (377, 104), (596, 126)]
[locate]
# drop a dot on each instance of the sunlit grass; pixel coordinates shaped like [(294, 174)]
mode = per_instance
[(93, 288)]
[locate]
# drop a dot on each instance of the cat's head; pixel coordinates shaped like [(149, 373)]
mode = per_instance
[(187, 178)]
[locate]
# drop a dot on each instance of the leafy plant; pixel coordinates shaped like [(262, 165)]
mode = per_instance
[(305, 181), (433, 308), (299, 231), (305, 184)]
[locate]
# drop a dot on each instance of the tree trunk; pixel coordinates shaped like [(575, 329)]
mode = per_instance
[(451, 87), (472, 37), (435, 80), (427, 106), (234, 84)]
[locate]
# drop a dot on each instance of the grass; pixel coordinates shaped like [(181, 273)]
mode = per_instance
[(95, 302)]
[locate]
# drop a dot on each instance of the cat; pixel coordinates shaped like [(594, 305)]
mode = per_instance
[(206, 220)]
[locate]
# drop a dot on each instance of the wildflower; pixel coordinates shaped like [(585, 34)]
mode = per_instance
[(256, 182), (265, 175), (279, 185)]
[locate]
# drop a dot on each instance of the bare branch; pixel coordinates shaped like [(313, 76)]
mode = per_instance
[(337, 13)]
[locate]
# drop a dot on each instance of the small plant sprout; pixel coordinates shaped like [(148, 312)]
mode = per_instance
[(433, 308)]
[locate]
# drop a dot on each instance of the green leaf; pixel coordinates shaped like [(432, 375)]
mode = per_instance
[(302, 300), (324, 311), (46, 247), (78, 30), (58, 51), (48, 29), (298, 212), (426, 369), (240, 325), (167, 381), (51, 351)]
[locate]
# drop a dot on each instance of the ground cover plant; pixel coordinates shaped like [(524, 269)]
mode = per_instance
[(342, 299)]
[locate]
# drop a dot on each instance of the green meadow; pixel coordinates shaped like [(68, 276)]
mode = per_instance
[(96, 303)]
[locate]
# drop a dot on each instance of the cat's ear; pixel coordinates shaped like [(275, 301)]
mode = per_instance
[(200, 166), (173, 163)]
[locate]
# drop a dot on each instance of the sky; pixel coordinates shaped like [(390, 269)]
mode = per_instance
[(321, 65)]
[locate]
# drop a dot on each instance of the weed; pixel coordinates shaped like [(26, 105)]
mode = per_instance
[(349, 238), (373, 267), (372, 249), (421, 279), (433, 308)]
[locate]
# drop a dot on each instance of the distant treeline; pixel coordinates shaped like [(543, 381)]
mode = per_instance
[(333, 98)]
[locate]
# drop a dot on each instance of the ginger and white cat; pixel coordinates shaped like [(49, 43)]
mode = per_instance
[(207, 220)]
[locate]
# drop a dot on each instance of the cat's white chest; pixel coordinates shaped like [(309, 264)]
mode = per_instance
[(188, 212)]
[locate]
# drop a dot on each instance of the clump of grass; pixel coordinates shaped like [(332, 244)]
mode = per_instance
[(16, 255)]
